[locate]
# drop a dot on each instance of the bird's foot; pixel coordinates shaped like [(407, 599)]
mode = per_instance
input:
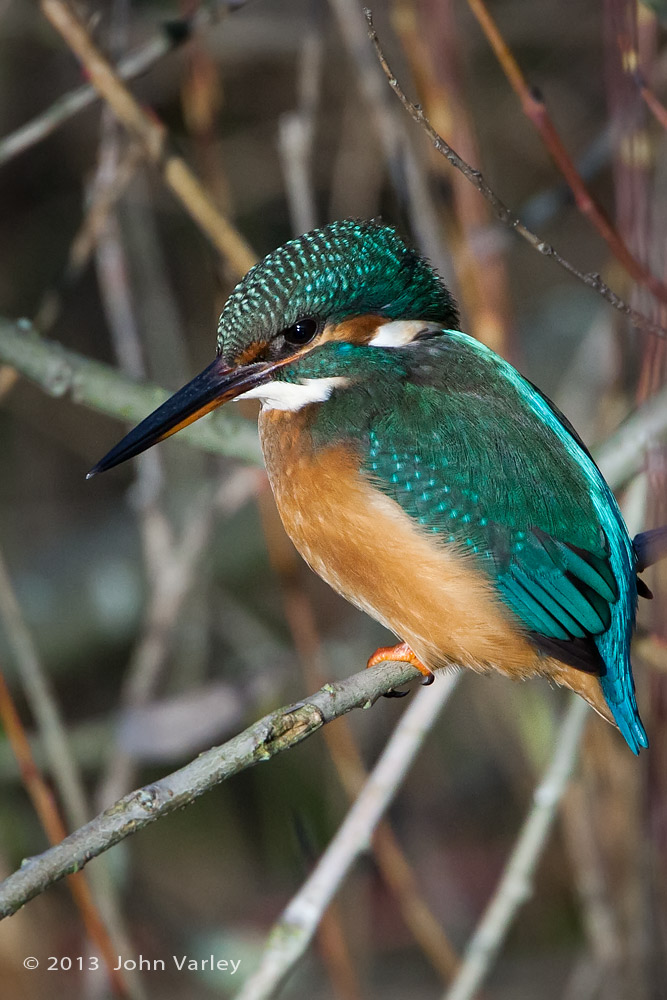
[(403, 654)]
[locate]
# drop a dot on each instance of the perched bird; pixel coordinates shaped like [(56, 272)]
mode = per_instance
[(419, 473)]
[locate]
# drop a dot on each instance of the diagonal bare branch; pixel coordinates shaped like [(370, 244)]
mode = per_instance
[(501, 210), (153, 136), (170, 36), (535, 109), (273, 734)]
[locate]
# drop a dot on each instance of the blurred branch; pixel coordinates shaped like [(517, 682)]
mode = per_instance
[(294, 929), (535, 109), (171, 35), (407, 175), (296, 136), (501, 210), (153, 136), (271, 735), (59, 371), (44, 124), (623, 455), (435, 52), (79, 254), (173, 581), (652, 101), (92, 225), (586, 858), (45, 806), (42, 703), (114, 268), (95, 901), (515, 885)]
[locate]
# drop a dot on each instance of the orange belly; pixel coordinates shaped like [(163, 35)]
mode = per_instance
[(369, 550)]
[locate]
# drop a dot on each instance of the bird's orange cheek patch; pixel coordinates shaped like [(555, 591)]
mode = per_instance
[(357, 330)]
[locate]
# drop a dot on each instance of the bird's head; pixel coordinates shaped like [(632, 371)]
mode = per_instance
[(352, 281)]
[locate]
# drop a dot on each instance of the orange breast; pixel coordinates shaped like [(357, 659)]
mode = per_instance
[(368, 549)]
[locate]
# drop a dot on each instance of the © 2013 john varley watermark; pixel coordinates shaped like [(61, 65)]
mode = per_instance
[(182, 963)]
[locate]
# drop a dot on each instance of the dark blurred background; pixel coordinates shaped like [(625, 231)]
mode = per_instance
[(166, 605)]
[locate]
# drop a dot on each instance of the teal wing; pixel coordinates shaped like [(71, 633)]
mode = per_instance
[(514, 523)]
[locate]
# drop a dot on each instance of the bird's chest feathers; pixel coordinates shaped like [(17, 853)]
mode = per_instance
[(369, 550), (317, 491)]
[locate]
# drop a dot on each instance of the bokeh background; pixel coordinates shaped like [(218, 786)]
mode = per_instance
[(166, 606)]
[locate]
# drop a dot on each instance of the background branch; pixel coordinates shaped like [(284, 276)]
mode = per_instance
[(516, 884), (46, 808), (535, 109), (60, 372), (170, 36), (505, 214), (152, 134)]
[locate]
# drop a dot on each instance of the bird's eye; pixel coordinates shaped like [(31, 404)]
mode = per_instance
[(301, 332)]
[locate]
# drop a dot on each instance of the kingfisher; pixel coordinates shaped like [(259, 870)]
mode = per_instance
[(419, 474)]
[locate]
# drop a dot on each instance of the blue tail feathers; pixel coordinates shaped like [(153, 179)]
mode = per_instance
[(620, 695)]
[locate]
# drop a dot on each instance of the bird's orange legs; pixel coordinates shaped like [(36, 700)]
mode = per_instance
[(403, 654)]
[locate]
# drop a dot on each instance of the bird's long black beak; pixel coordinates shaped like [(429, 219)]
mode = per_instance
[(211, 388)]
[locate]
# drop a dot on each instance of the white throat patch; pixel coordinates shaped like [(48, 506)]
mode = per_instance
[(294, 395), (400, 332)]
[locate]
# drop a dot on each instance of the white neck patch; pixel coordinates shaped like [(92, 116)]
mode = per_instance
[(294, 395), (400, 332)]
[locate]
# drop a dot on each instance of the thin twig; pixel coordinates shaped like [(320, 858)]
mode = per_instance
[(653, 103), (45, 806), (501, 210), (153, 136), (60, 372), (294, 929), (271, 735), (170, 36), (42, 703), (407, 177), (535, 109), (65, 107), (515, 885)]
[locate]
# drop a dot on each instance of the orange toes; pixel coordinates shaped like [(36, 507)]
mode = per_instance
[(403, 654)]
